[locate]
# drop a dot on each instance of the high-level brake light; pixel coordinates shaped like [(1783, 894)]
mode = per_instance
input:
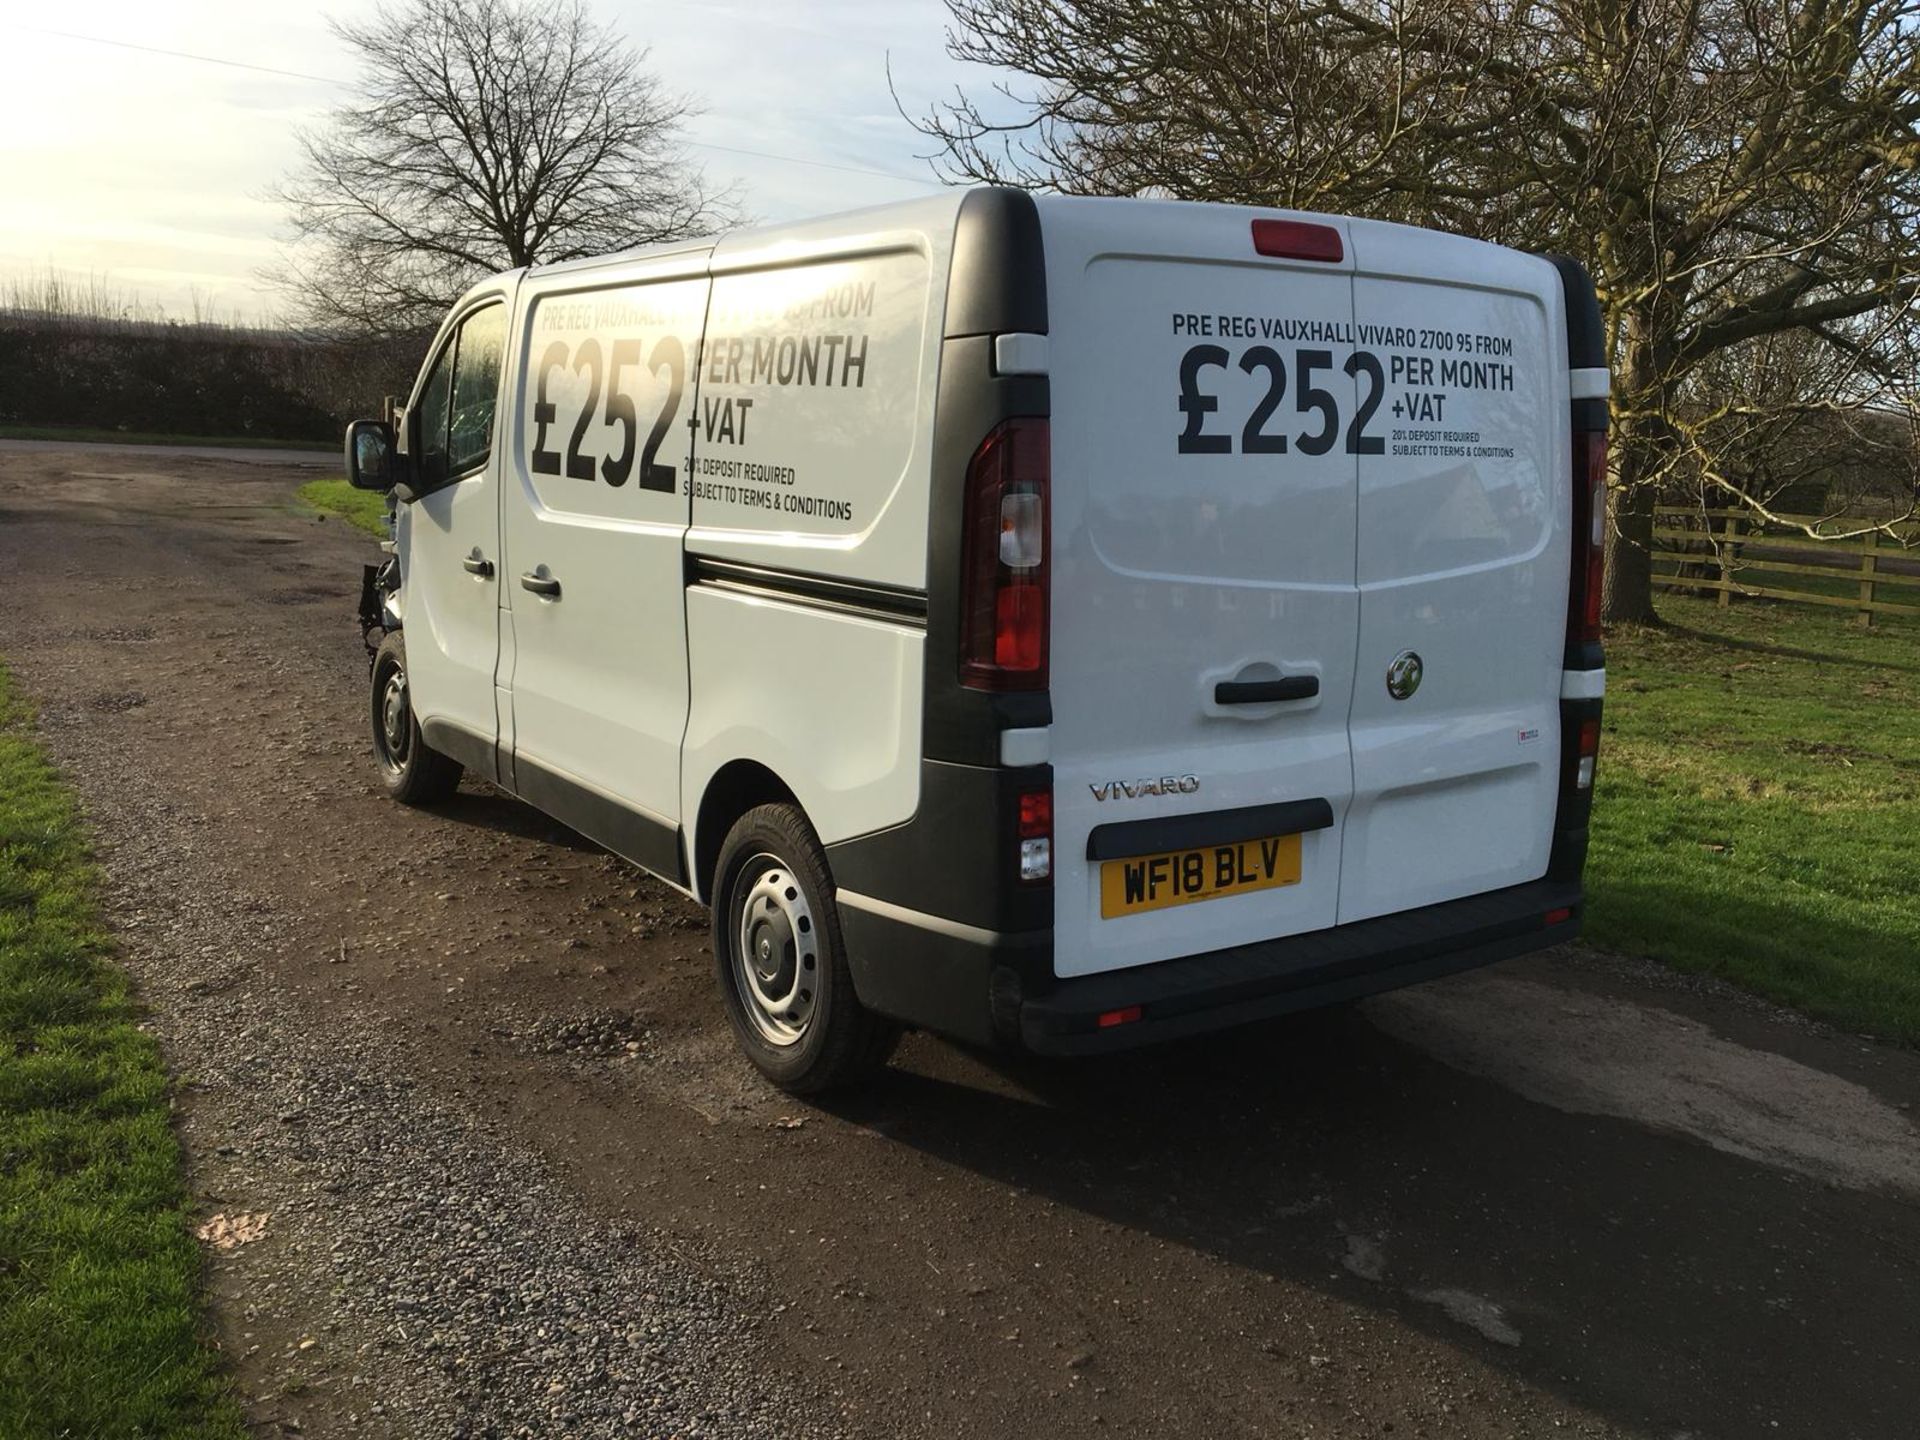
[(1298, 240)]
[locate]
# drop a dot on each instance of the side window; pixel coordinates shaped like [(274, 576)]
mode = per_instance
[(476, 389), (430, 464), (457, 403)]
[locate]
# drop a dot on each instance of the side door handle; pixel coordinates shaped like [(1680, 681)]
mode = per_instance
[(477, 564), (541, 585), (1265, 692)]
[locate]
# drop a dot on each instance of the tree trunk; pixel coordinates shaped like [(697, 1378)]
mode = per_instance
[(1636, 449), (1628, 593)]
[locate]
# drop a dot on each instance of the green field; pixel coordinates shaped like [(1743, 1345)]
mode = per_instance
[(99, 1276), (366, 509), (1758, 811), (144, 437)]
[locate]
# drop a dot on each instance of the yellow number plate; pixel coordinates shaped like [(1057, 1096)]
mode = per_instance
[(1180, 877)]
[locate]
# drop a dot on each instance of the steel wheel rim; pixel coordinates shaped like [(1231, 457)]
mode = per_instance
[(394, 730), (776, 951)]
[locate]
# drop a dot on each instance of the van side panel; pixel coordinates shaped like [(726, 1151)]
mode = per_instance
[(826, 698), (816, 396), (806, 558)]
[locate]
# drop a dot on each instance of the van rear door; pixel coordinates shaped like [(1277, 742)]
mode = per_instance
[(1205, 610), (1464, 544)]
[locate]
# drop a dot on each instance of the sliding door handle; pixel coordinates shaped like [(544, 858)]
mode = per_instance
[(541, 585), (477, 564), (1266, 692)]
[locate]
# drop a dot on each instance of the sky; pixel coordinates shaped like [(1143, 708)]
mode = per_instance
[(151, 172)]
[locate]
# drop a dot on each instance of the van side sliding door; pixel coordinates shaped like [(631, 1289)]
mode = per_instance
[(594, 526)]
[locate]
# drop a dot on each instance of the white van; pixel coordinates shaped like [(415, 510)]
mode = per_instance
[(1051, 622)]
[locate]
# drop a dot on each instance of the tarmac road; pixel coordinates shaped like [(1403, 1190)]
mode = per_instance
[(1568, 1195)]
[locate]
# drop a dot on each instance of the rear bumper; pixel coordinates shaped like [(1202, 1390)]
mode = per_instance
[(983, 987), (1254, 982)]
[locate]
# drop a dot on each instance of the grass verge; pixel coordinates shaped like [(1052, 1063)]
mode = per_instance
[(81, 435), (99, 1275), (1758, 806), (365, 509)]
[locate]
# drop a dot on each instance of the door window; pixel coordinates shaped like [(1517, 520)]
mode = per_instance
[(458, 400), (430, 465), (476, 389)]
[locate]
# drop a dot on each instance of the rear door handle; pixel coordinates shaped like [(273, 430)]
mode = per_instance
[(1265, 692), (541, 585), (477, 564)]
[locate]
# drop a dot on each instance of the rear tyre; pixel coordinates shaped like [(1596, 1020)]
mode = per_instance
[(781, 963), (413, 772)]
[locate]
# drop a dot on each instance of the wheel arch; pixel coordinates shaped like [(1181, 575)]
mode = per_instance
[(735, 788)]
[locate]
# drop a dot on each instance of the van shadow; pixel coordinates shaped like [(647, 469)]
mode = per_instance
[(483, 807), (1656, 1281)]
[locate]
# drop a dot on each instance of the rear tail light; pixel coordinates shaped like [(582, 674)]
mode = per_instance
[(1003, 627), (1589, 536), (1036, 835), (1589, 753)]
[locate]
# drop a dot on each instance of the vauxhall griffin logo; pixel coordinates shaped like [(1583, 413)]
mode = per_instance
[(1403, 675), (1153, 785)]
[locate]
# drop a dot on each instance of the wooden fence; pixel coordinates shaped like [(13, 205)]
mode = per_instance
[(1731, 555)]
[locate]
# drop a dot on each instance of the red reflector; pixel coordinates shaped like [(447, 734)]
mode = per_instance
[(1560, 916), (1019, 624), (1589, 737), (1297, 240), (1036, 814), (1109, 1018)]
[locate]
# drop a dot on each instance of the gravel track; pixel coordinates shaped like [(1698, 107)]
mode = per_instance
[(518, 1183)]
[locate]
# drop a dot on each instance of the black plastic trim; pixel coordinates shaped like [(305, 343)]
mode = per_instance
[(958, 857), (1299, 972), (998, 280), (1213, 827), (1589, 415), (932, 978), (819, 592), (476, 753), (1568, 857), (1586, 331), (651, 844)]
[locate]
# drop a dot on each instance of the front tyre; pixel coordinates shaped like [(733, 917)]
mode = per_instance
[(780, 960), (413, 772)]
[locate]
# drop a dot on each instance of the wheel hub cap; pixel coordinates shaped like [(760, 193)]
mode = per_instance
[(776, 951), (393, 716)]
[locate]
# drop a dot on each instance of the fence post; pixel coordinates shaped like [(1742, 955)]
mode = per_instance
[(1731, 532), (1867, 563)]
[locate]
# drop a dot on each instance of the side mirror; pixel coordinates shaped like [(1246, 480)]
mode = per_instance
[(370, 456)]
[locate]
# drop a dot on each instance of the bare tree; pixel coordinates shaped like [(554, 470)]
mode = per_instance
[(482, 135), (1732, 173)]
